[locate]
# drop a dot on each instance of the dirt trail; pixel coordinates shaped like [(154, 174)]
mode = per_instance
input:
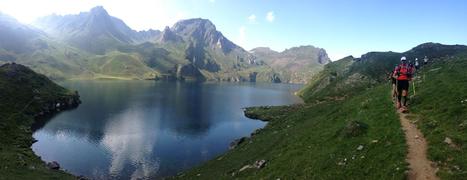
[(420, 166)]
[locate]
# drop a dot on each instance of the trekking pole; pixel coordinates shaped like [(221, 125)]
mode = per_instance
[(397, 90)]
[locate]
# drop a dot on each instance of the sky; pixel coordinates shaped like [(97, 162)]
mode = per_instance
[(341, 27)]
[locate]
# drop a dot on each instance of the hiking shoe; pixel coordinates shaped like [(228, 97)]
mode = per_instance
[(404, 109)]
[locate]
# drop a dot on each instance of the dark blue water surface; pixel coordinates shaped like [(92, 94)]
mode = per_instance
[(146, 129)]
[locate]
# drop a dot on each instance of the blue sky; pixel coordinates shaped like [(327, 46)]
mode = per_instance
[(342, 27)]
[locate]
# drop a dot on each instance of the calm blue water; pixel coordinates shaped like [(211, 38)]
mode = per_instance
[(146, 129)]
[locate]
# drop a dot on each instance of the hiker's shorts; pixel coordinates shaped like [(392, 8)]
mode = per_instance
[(402, 85)]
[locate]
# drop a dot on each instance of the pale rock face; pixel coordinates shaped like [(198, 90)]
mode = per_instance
[(297, 64)]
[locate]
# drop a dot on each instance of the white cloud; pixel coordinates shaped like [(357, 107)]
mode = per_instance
[(270, 16), (252, 18)]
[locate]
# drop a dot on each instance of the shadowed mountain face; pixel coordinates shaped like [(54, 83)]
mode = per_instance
[(94, 45), (296, 64), (16, 37), (94, 31), (30, 46)]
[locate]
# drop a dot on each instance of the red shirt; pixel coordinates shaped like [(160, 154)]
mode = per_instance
[(403, 72)]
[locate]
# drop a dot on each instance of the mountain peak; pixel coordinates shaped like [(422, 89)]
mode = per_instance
[(301, 48), (100, 15), (94, 31), (168, 35), (197, 26), (204, 32), (263, 51), (98, 10), (197, 22)]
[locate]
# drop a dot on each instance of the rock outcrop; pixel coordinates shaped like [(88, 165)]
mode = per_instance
[(53, 165), (237, 142), (64, 103), (295, 65)]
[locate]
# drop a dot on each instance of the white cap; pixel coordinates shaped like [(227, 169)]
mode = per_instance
[(403, 58)]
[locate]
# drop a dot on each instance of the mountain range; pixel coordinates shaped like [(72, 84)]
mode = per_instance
[(96, 45), (296, 64)]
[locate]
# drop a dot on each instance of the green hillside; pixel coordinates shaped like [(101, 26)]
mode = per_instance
[(440, 110), (319, 141), (352, 75), (348, 127), (25, 97)]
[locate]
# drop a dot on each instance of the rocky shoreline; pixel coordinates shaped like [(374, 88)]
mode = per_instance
[(62, 103), (47, 111)]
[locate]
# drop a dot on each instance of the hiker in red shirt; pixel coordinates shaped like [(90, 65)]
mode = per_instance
[(403, 74)]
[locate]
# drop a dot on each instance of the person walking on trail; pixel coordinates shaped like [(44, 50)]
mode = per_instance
[(425, 60), (417, 65), (403, 74)]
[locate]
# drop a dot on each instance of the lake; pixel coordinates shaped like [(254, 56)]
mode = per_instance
[(147, 129)]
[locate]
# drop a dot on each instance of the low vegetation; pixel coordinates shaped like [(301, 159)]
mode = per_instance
[(440, 111), (23, 94), (348, 127), (319, 141)]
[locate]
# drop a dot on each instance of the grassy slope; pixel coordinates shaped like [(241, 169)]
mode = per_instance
[(441, 113), (305, 142), (121, 65), (327, 79), (17, 161), (144, 61)]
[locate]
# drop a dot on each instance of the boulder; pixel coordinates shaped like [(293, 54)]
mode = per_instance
[(260, 164), (252, 76), (354, 129), (82, 177), (257, 131), (275, 78), (53, 165), (448, 140), (463, 125), (237, 142)]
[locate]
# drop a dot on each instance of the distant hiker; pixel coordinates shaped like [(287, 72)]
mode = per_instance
[(403, 74), (417, 65), (393, 81), (425, 60)]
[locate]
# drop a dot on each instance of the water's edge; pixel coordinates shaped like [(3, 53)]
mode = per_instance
[(41, 121)]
